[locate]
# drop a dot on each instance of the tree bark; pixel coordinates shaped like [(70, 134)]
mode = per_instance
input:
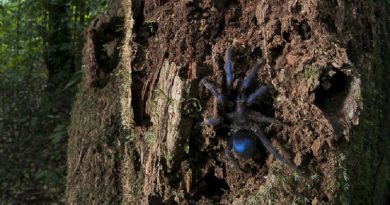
[(135, 134)]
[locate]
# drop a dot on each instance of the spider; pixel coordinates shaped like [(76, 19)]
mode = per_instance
[(243, 121)]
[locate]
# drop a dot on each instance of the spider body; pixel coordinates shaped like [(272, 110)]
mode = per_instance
[(243, 122), (244, 144)]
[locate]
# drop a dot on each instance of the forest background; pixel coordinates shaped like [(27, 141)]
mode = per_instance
[(40, 66)]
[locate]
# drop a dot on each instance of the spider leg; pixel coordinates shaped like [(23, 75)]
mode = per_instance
[(219, 96), (258, 93), (239, 88), (212, 121), (250, 76), (228, 67), (258, 117), (272, 150), (231, 158)]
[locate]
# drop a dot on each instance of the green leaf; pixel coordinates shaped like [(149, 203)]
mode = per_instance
[(76, 79)]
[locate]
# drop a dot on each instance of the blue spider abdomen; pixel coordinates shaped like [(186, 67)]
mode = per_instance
[(244, 143)]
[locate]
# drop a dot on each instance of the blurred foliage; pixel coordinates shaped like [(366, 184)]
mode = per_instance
[(33, 127)]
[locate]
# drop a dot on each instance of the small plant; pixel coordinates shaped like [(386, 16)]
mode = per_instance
[(131, 136), (149, 137), (310, 74), (58, 134), (187, 148), (192, 107), (344, 175), (300, 200), (179, 195), (151, 26)]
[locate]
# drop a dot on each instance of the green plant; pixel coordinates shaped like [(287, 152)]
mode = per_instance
[(149, 137), (131, 136), (310, 74)]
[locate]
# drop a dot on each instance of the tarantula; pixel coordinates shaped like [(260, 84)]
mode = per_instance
[(243, 121)]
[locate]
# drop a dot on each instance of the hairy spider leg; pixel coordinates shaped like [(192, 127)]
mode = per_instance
[(231, 158), (214, 91), (239, 88), (212, 121), (228, 68), (240, 99), (256, 94), (250, 76), (272, 150), (258, 117), (240, 106)]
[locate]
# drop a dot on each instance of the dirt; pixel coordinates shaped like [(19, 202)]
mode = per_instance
[(306, 48)]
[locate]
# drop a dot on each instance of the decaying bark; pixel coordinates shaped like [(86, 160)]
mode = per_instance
[(135, 134)]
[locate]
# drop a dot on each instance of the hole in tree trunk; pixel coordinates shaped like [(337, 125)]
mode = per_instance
[(214, 186), (332, 91)]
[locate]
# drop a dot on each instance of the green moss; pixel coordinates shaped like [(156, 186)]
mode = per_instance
[(310, 74), (125, 84), (94, 133), (138, 186), (130, 137), (364, 155), (149, 138)]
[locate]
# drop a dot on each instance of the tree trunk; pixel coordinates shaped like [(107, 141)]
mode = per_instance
[(135, 134)]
